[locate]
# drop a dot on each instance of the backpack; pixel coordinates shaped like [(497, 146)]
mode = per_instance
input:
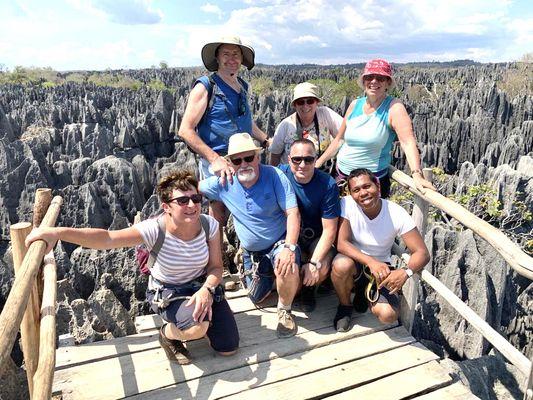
[(213, 89), (146, 258)]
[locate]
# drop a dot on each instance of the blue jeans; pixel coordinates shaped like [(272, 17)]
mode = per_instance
[(258, 270)]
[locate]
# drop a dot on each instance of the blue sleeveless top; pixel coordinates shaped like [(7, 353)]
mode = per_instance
[(368, 139), (229, 114)]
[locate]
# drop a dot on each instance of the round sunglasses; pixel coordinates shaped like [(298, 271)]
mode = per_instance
[(184, 200), (308, 101)]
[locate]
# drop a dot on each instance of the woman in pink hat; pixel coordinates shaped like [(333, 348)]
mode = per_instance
[(370, 127)]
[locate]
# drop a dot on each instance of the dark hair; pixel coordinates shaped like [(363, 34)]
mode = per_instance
[(181, 180), (362, 171), (304, 141)]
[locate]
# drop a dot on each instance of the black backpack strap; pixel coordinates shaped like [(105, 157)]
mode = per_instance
[(158, 243), (205, 225)]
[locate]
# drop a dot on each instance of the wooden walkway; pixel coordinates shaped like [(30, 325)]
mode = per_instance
[(371, 361)]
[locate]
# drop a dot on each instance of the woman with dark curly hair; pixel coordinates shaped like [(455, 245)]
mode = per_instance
[(184, 284)]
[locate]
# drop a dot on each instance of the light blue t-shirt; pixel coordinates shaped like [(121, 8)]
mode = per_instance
[(368, 139), (259, 211)]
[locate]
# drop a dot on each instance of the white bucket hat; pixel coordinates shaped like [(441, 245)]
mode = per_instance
[(240, 143), (305, 89), (209, 50)]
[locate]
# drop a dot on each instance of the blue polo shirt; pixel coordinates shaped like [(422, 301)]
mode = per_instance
[(258, 211), (317, 199)]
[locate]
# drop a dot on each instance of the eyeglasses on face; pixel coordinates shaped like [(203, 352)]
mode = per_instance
[(298, 159), (184, 200), (379, 78), (309, 101), (238, 161)]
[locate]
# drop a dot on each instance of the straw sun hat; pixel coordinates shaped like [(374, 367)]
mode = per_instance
[(240, 143), (209, 50)]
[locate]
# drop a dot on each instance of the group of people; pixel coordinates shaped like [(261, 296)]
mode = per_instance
[(293, 227)]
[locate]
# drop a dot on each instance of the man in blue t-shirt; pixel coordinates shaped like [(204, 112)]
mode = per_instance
[(318, 201), (267, 223)]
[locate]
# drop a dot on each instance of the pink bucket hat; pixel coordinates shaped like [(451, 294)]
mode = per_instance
[(377, 67)]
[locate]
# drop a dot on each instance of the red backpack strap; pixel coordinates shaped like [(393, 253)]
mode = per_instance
[(158, 243), (205, 226)]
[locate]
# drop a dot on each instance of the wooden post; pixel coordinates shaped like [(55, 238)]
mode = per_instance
[(410, 288), (44, 376), (16, 302), (29, 327), (43, 198), (528, 395)]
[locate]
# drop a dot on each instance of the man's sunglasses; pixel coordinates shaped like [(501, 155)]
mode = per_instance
[(309, 101), (307, 159), (238, 161), (379, 78), (184, 200)]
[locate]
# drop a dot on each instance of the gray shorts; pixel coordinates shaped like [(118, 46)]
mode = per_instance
[(204, 169)]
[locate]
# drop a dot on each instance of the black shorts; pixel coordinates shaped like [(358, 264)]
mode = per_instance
[(222, 333)]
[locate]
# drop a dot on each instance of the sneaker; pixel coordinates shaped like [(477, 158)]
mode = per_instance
[(360, 303), (342, 319), (286, 325), (307, 298), (174, 349)]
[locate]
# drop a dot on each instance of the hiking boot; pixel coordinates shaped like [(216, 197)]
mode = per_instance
[(342, 319), (286, 325), (307, 298), (174, 349), (360, 303)]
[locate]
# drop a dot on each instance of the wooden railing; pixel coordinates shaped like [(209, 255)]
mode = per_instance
[(31, 304), (515, 257)]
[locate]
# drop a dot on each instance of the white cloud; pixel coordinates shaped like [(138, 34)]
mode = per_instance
[(129, 12), (212, 9)]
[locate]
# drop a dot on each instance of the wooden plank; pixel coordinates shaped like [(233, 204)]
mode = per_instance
[(240, 379), (134, 373), (403, 384), (337, 378), (75, 355), (456, 391)]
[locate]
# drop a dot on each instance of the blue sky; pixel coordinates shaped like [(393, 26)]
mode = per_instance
[(101, 34)]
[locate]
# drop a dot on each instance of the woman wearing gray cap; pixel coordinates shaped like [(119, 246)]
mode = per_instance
[(311, 120), (218, 108)]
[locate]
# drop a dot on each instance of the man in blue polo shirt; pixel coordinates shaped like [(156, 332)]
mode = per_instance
[(267, 223), (318, 201)]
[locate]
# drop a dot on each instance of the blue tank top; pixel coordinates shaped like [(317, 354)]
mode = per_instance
[(229, 114), (368, 139)]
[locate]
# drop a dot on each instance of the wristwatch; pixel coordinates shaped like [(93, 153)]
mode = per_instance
[(409, 272), (291, 247), (210, 288), (317, 264)]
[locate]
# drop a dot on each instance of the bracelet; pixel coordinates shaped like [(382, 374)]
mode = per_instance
[(210, 289), (416, 171)]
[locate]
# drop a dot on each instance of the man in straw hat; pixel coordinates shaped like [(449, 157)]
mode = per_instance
[(311, 121), (267, 223), (218, 108)]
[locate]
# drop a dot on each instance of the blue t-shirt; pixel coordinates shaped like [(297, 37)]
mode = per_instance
[(229, 114), (317, 199), (258, 211)]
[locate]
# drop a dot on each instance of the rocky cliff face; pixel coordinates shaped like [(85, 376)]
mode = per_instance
[(102, 149)]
